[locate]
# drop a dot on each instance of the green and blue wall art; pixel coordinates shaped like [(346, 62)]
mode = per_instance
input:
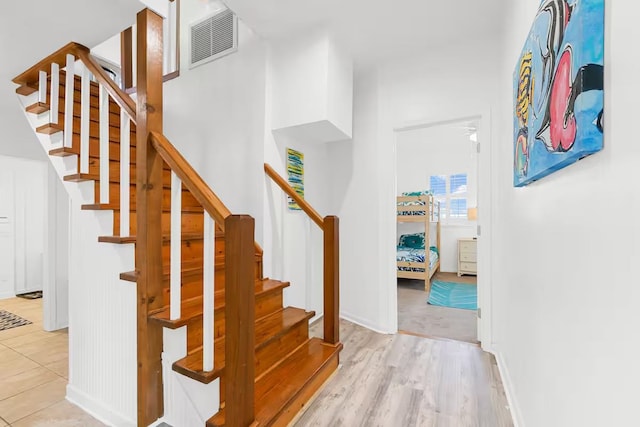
[(558, 89), (295, 176)]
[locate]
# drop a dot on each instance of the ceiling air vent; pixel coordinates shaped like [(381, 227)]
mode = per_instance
[(213, 37)]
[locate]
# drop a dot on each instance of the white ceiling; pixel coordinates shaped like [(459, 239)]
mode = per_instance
[(371, 30), (374, 30), (32, 29)]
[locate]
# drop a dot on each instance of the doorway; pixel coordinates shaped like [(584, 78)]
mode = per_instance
[(440, 160)]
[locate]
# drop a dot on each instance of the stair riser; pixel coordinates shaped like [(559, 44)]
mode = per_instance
[(192, 222), (266, 304), (114, 172), (287, 415), (277, 349), (188, 201), (94, 149)]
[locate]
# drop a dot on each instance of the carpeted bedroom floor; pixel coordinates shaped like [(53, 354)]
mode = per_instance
[(415, 316)]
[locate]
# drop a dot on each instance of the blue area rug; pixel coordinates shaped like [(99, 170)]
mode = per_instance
[(454, 295)]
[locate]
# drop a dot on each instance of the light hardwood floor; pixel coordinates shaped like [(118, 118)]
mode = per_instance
[(403, 381), (384, 380), (417, 317), (34, 371)]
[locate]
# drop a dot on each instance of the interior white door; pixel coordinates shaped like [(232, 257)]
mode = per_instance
[(7, 249)]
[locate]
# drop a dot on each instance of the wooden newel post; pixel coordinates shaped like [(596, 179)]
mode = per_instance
[(240, 320), (331, 280), (149, 216)]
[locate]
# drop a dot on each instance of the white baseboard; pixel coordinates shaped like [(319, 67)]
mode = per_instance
[(507, 383), (363, 322), (96, 409), (7, 294)]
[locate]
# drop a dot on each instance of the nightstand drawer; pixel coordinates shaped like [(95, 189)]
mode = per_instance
[(468, 267), (468, 247), (468, 256)]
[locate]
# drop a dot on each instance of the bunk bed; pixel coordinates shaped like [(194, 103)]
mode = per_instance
[(411, 255)]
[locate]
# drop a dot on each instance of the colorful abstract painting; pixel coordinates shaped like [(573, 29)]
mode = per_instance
[(295, 174), (558, 89)]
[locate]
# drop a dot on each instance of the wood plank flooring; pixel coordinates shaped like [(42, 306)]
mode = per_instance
[(402, 380), (384, 380), (417, 317)]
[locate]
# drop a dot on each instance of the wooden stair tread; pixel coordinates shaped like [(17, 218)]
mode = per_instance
[(278, 388), (268, 328), (165, 238), (63, 152), (37, 108), (192, 308), (194, 267), (49, 128), (116, 207), (81, 177), (26, 89)]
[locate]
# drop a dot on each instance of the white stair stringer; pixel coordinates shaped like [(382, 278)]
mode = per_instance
[(187, 402), (102, 308)]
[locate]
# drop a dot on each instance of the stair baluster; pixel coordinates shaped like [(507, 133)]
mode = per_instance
[(104, 145), (125, 173), (84, 120), (42, 87), (208, 289), (175, 292), (69, 92), (55, 93)]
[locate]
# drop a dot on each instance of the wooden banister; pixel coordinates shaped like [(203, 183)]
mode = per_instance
[(149, 217), (190, 179), (330, 226), (331, 280), (240, 319), (284, 185), (30, 77)]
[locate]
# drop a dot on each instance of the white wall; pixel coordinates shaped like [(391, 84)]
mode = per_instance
[(566, 251), (214, 114), (23, 201), (292, 242), (438, 150), (442, 84), (56, 268)]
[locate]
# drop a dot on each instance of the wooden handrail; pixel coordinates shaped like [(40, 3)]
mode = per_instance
[(190, 178), (284, 185), (30, 77), (193, 182), (330, 226)]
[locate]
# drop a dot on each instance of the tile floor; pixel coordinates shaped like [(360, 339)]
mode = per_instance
[(34, 367)]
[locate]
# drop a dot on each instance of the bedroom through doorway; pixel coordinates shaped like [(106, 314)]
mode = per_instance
[(436, 241)]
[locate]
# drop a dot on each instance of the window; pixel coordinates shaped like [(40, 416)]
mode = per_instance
[(451, 192)]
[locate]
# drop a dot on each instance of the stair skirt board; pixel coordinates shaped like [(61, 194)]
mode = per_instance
[(186, 402)]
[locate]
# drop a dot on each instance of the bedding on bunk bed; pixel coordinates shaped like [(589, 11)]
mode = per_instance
[(411, 249), (413, 203)]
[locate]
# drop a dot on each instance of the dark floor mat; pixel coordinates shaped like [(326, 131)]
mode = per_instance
[(10, 320), (31, 295)]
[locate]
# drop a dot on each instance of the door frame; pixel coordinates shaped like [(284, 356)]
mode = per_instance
[(484, 186)]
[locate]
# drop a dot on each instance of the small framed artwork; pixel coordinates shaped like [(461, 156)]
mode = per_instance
[(295, 176), (558, 89)]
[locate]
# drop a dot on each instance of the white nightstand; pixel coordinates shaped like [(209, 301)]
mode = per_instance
[(467, 256)]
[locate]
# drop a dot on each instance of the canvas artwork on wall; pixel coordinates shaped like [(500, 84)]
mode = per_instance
[(295, 175), (558, 89)]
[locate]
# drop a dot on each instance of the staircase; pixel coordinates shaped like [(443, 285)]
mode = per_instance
[(185, 241)]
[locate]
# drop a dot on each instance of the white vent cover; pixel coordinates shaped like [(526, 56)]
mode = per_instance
[(213, 37)]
